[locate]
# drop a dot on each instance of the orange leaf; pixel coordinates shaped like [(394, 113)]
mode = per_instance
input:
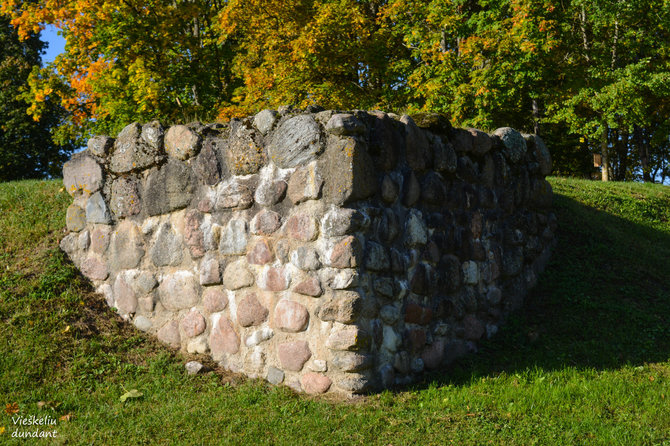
[(12, 408)]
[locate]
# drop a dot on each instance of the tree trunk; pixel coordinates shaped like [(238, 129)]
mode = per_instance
[(536, 117), (605, 155), (585, 40), (643, 151)]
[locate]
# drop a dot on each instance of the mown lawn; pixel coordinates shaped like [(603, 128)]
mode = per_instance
[(586, 362)]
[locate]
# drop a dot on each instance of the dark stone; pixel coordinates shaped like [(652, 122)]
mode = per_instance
[(125, 200), (411, 190), (417, 339), (350, 172), (462, 140), (206, 166), (431, 253), (418, 150), (488, 171), (435, 122), (433, 190), (433, 355), (376, 257), (389, 226), (450, 273), (385, 287), (131, 153), (417, 314), (481, 142), (344, 124), (420, 280), (398, 261), (466, 170), (244, 155), (387, 140), (512, 261), (389, 190), (168, 188), (445, 156)]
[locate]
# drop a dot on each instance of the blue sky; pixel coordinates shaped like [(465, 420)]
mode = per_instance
[(56, 43)]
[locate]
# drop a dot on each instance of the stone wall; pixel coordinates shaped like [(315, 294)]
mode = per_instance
[(331, 252)]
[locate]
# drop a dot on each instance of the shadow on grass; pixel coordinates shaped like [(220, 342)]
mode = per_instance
[(602, 303)]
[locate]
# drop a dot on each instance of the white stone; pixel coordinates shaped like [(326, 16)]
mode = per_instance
[(149, 225), (197, 345), (264, 120), (470, 273), (142, 323), (391, 340), (84, 240), (193, 367), (416, 232), (319, 365), (179, 291), (106, 291), (257, 359), (343, 279), (259, 336), (234, 237)]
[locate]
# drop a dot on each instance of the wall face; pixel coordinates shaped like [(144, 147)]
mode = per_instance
[(331, 252)]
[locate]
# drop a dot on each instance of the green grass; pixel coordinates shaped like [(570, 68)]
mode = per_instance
[(585, 362)]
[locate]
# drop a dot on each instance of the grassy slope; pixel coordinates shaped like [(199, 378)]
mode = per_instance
[(587, 361)]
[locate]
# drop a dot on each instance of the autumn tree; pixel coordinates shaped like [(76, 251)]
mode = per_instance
[(128, 60), (27, 149), (334, 53)]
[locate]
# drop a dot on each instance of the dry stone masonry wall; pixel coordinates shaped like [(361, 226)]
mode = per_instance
[(329, 251)]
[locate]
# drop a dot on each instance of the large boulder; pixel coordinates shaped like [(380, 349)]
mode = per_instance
[(296, 142)]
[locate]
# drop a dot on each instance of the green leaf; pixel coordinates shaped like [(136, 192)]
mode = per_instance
[(133, 393)]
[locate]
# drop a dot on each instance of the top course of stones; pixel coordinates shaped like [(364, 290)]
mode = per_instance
[(350, 150)]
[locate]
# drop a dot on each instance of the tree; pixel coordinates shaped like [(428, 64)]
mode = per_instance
[(620, 91), (27, 149), (128, 60), (486, 63), (334, 53)]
